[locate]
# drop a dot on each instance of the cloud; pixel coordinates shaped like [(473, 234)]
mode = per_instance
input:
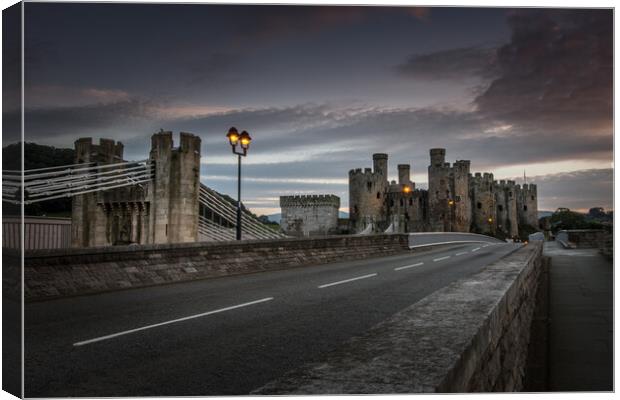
[(555, 73), (43, 96), (451, 64), (322, 133), (577, 190), (121, 119)]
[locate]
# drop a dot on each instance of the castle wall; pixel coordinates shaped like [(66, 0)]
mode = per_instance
[(461, 204), (406, 211), (483, 203), (309, 215)]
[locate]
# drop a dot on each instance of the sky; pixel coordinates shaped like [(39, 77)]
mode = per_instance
[(322, 88)]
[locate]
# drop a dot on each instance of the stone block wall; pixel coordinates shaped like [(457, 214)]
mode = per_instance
[(471, 336), (582, 238), (69, 272), (309, 215)]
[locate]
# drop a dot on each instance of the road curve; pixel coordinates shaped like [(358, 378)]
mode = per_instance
[(229, 335)]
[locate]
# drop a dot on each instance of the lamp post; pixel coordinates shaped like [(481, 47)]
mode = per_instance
[(243, 141)]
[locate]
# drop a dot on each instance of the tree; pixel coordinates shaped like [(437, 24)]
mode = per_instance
[(571, 220)]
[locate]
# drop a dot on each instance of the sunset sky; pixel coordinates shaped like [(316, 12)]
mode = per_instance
[(322, 88)]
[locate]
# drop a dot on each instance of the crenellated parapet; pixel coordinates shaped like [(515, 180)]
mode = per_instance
[(316, 200), (309, 215)]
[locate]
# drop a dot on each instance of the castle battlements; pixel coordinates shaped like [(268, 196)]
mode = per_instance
[(482, 178), (314, 200), (364, 172)]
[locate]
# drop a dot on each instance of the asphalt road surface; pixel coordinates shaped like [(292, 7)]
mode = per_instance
[(228, 335)]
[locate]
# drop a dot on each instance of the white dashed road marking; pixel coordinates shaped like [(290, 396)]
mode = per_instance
[(143, 328), (408, 266), (461, 253), (347, 280), (476, 249), (441, 258)]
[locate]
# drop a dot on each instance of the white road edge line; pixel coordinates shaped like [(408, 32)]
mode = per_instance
[(441, 258), (347, 280), (476, 249), (461, 253), (106, 337), (408, 266)]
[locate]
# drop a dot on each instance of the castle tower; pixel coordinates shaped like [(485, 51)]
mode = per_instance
[(484, 219), (176, 186), (438, 157), (506, 208), (439, 192), (367, 191), (89, 220), (527, 205), (380, 164), (404, 174)]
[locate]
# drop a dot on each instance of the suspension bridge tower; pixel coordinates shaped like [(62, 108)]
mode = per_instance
[(161, 206)]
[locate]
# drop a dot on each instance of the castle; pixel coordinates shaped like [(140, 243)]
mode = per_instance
[(456, 200)]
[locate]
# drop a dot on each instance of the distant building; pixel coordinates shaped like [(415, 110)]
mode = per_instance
[(311, 215), (456, 200)]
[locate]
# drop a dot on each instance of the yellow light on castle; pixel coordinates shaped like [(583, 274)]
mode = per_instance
[(406, 189), (490, 220), (451, 202)]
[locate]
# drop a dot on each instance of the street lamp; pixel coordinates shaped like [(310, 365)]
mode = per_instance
[(243, 141)]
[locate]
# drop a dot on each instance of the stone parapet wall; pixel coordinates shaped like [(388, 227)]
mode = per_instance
[(69, 272), (581, 238), (310, 200), (471, 336)]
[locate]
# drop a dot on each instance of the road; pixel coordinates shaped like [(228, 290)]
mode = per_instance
[(229, 335)]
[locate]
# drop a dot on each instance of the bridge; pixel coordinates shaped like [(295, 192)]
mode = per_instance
[(155, 200)]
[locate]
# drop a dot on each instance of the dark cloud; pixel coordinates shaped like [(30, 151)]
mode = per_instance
[(579, 190), (323, 133), (555, 73), (117, 119), (453, 64)]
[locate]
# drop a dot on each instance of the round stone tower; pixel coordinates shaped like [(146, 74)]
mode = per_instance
[(367, 191)]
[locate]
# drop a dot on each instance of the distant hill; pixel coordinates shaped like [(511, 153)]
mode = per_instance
[(277, 217), (542, 214)]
